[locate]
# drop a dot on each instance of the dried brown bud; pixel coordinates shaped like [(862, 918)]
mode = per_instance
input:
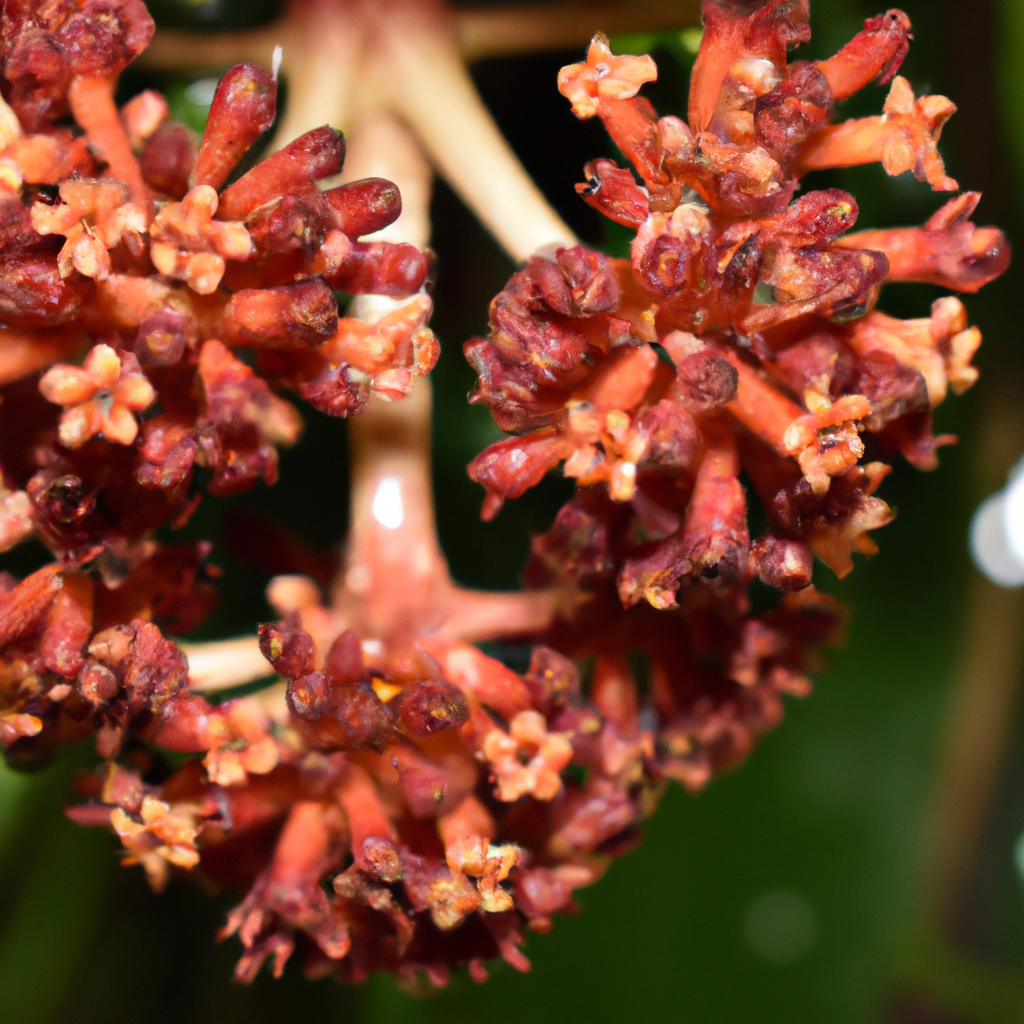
[(784, 564), (431, 706), (288, 648)]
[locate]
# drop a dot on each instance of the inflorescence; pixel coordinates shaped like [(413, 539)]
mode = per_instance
[(398, 799)]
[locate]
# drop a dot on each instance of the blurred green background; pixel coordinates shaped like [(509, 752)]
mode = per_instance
[(811, 885)]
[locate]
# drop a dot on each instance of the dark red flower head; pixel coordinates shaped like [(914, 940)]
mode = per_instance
[(398, 799)]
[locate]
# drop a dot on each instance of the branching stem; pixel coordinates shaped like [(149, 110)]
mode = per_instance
[(481, 32), (415, 106)]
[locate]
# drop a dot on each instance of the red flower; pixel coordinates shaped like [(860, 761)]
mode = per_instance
[(398, 799)]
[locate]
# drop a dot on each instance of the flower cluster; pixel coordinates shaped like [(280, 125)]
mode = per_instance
[(123, 248), (424, 783), (398, 799), (741, 338), (127, 240)]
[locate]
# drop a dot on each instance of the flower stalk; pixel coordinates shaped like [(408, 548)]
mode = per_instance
[(481, 32)]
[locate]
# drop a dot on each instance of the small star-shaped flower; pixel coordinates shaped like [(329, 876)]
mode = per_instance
[(100, 397), (189, 245), (603, 76), (95, 216)]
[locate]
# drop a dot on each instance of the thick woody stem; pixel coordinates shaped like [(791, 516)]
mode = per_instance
[(394, 563), (393, 558), (396, 579), (396, 582)]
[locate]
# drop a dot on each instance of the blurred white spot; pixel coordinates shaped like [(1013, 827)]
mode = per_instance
[(275, 61), (372, 647), (780, 926), (1013, 513), (387, 503), (201, 91), (989, 544), (997, 533)]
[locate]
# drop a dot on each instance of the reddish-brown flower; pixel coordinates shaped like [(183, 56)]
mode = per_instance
[(739, 347), (397, 799), (765, 306)]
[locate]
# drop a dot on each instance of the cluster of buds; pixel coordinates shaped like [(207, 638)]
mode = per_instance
[(397, 799), (132, 251), (424, 783), (741, 337), (122, 248)]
